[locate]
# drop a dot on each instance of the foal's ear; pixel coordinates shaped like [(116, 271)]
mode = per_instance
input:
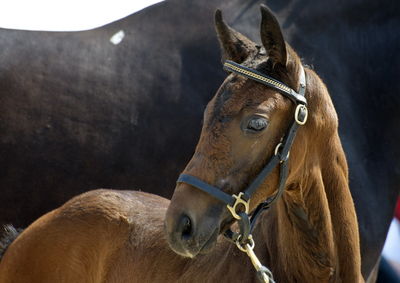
[(234, 45), (272, 38)]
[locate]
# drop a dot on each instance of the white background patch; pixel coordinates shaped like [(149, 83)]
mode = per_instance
[(66, 15)]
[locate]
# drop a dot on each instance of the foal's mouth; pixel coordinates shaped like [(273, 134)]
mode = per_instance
[(212, 240), (210, 243)]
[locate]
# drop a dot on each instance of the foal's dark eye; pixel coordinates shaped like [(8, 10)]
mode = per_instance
[(257, 124)]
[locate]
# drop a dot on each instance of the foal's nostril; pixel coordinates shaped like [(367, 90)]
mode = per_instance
[(185, 227)]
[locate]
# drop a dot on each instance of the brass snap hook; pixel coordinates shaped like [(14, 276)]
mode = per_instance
[(239, 201), (249, 245)]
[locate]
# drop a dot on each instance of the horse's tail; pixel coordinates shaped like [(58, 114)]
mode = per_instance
[(10, 234)]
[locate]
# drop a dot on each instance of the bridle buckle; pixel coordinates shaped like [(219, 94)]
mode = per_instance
[(240, 200), (301, 114)]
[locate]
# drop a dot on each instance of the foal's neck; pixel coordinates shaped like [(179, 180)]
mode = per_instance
[(315, 235)]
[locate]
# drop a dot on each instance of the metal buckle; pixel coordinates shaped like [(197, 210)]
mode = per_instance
[(303, 108), (239, 200)]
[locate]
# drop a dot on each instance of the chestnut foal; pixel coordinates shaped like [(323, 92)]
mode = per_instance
[(308, 234)]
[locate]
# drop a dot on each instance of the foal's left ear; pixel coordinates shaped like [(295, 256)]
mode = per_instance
[(272, 38)]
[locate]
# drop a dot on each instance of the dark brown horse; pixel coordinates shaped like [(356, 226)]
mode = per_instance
[(310, 234)]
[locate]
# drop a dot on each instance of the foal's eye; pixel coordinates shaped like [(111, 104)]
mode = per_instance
[(257, 124)]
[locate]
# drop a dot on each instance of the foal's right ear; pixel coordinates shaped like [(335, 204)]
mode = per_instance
[(272, 38), (234, 45)]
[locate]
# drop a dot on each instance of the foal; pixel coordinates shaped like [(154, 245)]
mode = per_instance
[(310, 234)]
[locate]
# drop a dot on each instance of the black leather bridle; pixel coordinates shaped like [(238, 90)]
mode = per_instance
[(238, 205)]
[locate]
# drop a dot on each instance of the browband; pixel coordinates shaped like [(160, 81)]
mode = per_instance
[(297, 98)]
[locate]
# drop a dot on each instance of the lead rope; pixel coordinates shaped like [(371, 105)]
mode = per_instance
[(263, 273)]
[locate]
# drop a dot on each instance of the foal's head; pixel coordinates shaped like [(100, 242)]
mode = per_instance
[(243, 123)]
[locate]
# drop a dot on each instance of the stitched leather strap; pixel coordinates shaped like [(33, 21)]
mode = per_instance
[(268, 81)]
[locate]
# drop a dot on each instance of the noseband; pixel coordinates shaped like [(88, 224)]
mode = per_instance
[(238, 205)]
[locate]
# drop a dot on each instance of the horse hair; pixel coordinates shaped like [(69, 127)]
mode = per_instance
[(10, 234)]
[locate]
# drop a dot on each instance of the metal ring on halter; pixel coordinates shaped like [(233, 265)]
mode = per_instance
[(277, 148), (250, 243), (279, 145), (239, 200), (301, 107)]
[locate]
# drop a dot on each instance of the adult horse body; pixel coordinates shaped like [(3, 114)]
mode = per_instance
[(309, 235), (78, 112), (91, 118)]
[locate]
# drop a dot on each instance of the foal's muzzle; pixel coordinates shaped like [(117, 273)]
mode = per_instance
[(192, 226)]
